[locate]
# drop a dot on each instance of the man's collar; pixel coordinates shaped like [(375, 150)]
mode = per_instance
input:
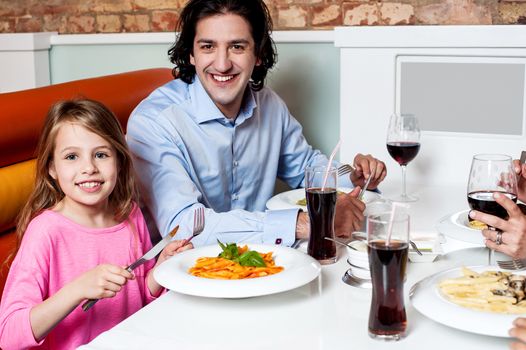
[(206, 110)]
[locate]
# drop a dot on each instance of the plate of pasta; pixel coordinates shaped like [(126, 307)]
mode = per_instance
[(296, 198), (186, 273), (481, 298)]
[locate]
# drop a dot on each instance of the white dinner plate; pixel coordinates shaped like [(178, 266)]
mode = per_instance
[(289, 199), (456, 226), (299, 269), (427, 299)]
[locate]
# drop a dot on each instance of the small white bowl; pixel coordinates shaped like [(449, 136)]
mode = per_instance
[(430, 249), (358, 256), (361, 272)]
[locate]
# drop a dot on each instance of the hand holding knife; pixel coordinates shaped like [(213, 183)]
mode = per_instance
[(152, 253)]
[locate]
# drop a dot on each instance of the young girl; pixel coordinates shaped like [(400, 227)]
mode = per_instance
[(79, 229)]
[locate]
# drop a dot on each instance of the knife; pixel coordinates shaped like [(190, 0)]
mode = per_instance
[(362, 192), (150, 254)]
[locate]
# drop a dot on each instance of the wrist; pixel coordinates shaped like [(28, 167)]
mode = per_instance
[(302, 225)]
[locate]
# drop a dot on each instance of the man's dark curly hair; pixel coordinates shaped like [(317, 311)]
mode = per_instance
[(255, 12)]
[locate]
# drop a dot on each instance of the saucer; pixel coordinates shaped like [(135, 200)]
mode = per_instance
[(354, 281)]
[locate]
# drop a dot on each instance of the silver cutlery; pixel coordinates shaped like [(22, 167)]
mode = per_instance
[(150, 254), (413, 244), (362, 191), (199, 223), (515, 264), (297, 243), (345, 169), (340, 243)]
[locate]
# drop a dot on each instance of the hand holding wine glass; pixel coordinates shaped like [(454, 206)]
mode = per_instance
[(403, 144), (490, 174)]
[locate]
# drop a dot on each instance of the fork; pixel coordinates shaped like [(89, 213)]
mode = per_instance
[(515, 264), (345, 169), (199, 224)]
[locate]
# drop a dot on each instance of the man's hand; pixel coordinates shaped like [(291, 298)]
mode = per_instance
[(349, 213), (302, 226), (365, 166)]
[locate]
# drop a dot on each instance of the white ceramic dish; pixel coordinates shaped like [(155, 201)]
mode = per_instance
[(360, 272), (299, 269), (456, 226), (430, 249), (289, 199), (358, 257), (427, 299)]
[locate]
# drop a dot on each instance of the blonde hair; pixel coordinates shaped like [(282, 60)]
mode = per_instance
[(98, 119)]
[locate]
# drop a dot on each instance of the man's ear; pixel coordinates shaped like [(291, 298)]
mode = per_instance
[(258, 62), (192, 60)]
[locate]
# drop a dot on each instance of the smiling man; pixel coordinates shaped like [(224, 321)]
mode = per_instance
[(216, 137)]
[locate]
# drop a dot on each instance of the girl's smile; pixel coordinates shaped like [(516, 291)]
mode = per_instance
[(85, 167)]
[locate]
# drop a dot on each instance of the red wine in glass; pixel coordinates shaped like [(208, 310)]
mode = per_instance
[(403, 144), (483, 201), (403, 152)]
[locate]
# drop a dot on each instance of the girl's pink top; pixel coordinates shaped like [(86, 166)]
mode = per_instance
[(56, 250)]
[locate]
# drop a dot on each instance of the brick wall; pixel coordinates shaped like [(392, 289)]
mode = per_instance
[(115, 16)]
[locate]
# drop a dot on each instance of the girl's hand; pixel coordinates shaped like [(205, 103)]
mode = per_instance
[(513, 230), (173, 248), (519, 331), (104, 281), (365, 166)]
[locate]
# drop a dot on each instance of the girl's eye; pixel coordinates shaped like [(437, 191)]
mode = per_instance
[(101, 155), (71, 157)]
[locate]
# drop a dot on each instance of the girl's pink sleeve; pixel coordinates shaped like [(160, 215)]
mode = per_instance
[(24, 288)]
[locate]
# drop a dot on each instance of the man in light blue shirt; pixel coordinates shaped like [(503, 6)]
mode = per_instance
[(217, 138)]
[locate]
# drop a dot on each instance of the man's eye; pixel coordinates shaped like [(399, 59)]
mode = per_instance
[(238, 47), (206, 47), (70, 157)]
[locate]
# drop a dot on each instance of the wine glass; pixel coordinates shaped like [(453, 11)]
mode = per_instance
[(403, 144), (491, 173)]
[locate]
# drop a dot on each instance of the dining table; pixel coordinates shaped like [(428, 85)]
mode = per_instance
[(324, 314)]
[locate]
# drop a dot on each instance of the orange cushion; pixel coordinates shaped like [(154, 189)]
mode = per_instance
[(16, 183)]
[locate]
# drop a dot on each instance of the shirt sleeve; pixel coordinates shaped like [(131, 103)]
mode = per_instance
[(26, 286), (171, 196)]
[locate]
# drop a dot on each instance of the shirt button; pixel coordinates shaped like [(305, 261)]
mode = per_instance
[(278, 241), (234, 197), (235, 163)]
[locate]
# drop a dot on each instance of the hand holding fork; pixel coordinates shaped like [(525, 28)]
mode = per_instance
[(348, 168)]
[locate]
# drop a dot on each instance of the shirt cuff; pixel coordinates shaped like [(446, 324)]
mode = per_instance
[(280, 227)]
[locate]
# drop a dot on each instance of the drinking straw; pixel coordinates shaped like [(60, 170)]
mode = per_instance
[(329, 164), (391, 219)]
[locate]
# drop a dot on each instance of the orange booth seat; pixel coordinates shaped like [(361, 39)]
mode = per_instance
[(22, 115)]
